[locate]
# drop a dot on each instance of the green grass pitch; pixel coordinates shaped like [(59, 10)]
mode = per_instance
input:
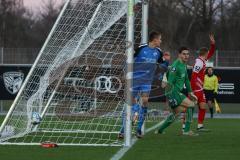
[(221, 143)]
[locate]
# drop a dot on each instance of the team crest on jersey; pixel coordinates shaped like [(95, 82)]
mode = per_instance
[(155, 54), (13, 81), (173, 69)]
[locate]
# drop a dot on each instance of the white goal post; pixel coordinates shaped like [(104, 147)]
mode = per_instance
[(78, 86)]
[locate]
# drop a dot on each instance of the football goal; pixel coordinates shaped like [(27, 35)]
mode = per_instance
[(77, 88)]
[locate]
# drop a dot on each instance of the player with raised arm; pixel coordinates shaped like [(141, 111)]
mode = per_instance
[(197, 80), (177, 77), (146, 59)]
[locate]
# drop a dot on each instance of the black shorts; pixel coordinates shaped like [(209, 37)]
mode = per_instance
[(209, 94)]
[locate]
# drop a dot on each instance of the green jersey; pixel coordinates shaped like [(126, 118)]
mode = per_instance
[(178, 76)]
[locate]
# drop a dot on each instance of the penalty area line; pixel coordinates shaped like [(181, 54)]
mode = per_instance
[(124, 150)]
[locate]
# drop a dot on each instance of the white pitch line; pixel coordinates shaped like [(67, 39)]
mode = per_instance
[(123, 150)]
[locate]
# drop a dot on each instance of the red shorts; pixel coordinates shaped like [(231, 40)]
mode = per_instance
[(201, 96)]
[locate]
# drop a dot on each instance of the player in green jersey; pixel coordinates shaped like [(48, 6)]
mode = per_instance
[(177, 77)]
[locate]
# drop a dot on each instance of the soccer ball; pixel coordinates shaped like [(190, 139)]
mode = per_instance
[(36, 118)]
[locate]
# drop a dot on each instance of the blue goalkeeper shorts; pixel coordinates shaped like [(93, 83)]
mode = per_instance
[(135, 108), (141, 89)]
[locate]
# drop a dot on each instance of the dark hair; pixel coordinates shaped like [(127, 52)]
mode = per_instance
[(203, 51), (153, 35), (182, 49), (209, 68)]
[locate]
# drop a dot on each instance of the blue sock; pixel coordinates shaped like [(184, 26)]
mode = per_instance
[(142, 116), (135, 108), (123, 122)]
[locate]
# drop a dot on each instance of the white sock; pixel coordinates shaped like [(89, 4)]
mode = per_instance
[(200, 125), (183, 126)]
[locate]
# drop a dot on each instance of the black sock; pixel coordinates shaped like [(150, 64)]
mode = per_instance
[(211, 111)]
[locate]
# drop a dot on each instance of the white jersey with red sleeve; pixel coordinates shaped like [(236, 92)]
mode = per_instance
[(198, 74), (199, 69)]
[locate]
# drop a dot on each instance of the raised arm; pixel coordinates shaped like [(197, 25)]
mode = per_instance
[(212, 46)]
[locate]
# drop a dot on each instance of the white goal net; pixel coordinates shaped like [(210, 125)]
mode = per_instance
[(75, 91)]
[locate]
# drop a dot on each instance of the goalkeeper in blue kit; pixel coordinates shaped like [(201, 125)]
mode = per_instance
[(146, 58)]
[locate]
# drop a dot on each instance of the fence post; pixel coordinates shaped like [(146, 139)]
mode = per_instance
[(2, 55), (1, 102), (1, 106), (216, 58)]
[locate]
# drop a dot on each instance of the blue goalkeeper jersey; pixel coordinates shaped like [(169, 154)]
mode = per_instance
[(145, 63)]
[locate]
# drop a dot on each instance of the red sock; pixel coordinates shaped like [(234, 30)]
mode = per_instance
[(201, 115)]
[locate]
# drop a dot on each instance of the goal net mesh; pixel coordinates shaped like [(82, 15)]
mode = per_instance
[(77, 84)]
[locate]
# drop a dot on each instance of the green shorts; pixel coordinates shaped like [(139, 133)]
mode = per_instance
[(175, 99)]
